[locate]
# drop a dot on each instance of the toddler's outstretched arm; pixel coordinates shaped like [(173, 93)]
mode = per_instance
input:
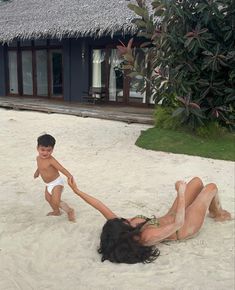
[(60, 168)]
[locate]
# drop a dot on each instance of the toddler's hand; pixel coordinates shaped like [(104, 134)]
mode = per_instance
[(72, 183)]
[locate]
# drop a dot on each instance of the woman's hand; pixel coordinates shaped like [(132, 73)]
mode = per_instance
[(94, 202), (182, 187)]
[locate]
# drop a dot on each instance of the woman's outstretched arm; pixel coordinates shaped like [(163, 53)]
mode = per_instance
[(151, 236), (94, 202)]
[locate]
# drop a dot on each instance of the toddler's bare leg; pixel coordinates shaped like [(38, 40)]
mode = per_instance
[(49, 200), (47, 196), (70, 211), (55, 200)]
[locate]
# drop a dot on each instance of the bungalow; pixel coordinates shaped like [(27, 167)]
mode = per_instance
[(59, 49)]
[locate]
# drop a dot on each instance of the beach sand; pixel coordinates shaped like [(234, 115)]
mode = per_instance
[(40, 252)]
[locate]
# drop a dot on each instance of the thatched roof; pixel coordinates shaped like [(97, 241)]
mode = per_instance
[(33, 19)]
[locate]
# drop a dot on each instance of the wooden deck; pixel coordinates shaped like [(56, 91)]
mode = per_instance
[(104, 111)]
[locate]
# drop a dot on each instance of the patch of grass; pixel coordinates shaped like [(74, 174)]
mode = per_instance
[(186, 143)]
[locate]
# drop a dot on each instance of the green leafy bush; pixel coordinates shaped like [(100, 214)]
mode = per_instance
[(190, 57), (211, 131), (164, 119)]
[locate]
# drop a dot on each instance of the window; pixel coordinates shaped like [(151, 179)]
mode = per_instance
[(37, 70)]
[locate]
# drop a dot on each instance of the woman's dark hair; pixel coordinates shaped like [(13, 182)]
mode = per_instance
[(46, 140), (119, 243)]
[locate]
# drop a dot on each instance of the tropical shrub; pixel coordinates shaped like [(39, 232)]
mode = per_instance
[(164, 119), (211, 130), (190, 58)]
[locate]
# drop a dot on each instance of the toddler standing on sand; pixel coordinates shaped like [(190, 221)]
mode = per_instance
[(48, 167)]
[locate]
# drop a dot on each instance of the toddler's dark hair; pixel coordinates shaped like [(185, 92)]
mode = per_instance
[(46, 140)]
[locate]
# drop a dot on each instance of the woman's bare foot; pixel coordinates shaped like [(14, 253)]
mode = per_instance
[(216, 212), (71, 215), (55, 213), (221, 215)]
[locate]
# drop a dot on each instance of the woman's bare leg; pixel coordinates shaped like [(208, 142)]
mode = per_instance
[(193, 188), (196, 212), (216, 211)]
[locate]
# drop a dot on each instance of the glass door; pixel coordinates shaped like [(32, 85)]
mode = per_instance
[(41, 73), (27, 72), (56, 73), (122, 88), (12, 70)]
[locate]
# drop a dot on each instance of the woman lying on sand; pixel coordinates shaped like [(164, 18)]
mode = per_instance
[(134, 239)]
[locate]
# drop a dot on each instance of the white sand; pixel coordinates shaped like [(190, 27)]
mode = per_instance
[(40, 252)]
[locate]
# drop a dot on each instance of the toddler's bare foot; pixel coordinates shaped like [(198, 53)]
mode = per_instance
[(71, 215), (221, 215), (55, 213)]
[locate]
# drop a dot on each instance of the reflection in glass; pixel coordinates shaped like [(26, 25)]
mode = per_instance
[(135, 95), (13, 79), (98, 68), (27, 72), (42, 81), (56, 71)]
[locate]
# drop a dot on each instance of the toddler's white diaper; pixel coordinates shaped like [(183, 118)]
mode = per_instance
[(52, 184)]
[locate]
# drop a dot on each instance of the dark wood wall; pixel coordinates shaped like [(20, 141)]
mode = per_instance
[(76, 64)]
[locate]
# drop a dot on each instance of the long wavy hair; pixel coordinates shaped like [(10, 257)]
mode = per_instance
[(119, 243)]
